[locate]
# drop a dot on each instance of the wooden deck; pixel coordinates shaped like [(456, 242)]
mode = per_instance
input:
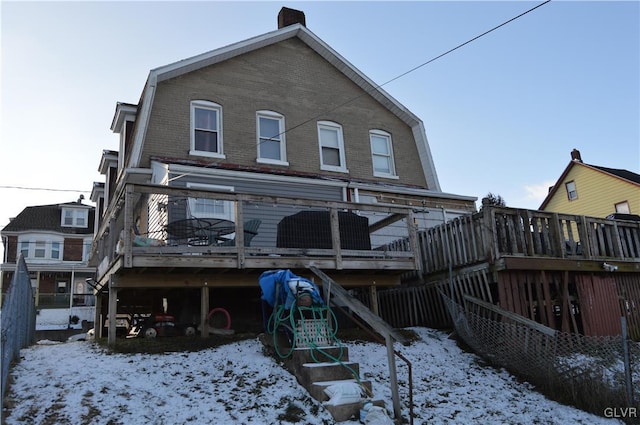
[(362, 242), (526, 239), (571, 273)]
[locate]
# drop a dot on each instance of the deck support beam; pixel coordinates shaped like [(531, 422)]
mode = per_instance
[(113, 308)]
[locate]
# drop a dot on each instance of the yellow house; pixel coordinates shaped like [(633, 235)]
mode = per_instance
[(594, 191)]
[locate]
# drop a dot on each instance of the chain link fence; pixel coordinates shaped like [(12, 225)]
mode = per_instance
[(600, 375), (18, 318)]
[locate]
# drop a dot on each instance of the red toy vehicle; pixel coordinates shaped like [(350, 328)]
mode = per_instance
[(159, 324)]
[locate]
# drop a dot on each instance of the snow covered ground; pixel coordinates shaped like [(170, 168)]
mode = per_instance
[(82, 383)]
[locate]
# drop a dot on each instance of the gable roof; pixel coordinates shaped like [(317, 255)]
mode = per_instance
[(623, 174), (620, 174), (48, 218), (324, 50)]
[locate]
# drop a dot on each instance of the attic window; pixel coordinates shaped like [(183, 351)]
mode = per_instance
[(572, 193), (73, 217), (206, 129)]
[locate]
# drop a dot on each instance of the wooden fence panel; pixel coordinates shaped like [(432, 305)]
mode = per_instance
[(599, 306), (628, 288)]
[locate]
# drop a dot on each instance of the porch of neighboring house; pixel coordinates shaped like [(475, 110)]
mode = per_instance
[(158, 255), (570, 273), (62, 300)]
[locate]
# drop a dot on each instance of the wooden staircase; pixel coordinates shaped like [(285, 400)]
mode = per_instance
[(318, 368), (316, 361)]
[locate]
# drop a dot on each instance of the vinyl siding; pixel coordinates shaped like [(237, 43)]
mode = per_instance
[(598, 193), (269, 215)]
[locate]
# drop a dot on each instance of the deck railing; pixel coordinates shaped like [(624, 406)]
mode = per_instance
[(496, 232), (164, 221)]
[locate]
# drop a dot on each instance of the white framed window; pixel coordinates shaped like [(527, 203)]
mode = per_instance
[(86, 249), (56, 250), (206, 129), (331, 143), (211, 208), (75, 217), (623, 207), (382, 154), (24, 249), (572, 192), (35, 247), (272, 147), (40, 249)]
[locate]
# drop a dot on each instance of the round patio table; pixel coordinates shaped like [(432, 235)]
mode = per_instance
[(200, 231)]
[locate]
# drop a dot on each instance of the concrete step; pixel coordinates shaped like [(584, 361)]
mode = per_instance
[(344, 412), (323, 354), (349, 411), (329, 371), (316, 389)]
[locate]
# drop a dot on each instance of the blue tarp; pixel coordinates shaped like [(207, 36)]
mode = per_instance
[(274, 282)]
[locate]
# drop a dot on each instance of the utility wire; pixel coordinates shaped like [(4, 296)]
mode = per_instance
[(419, 66), (43, 189), (366, 92)]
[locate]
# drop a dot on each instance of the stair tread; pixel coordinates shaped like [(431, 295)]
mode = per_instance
[(317, 346), (327, 364), (337, 381)]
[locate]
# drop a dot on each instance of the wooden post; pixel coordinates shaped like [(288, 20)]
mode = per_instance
[(204, 311), (128, 226), (335, 237), (413, 243), (97, 317), (113, 308), (558, 237), (240, 243), (373, 298)]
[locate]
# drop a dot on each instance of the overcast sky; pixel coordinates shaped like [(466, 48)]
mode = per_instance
[(502, 113)]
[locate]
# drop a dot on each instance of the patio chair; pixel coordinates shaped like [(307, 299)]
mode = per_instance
[(250, 230)]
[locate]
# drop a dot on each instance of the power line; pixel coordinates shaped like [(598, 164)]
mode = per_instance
[(366, 92), (44, 189), (419, 66)]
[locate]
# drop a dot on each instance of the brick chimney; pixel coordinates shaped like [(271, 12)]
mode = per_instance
[(575, 155), (288, 17)]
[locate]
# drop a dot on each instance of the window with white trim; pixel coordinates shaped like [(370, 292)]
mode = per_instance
[(86, 250), (382, 154), (331, 142), (209, 207), (40, 249), (623, 207), (24, 249), (34, 247), (572, 193), (271, 138), (55, 250), (206, 129), (75, 217)]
